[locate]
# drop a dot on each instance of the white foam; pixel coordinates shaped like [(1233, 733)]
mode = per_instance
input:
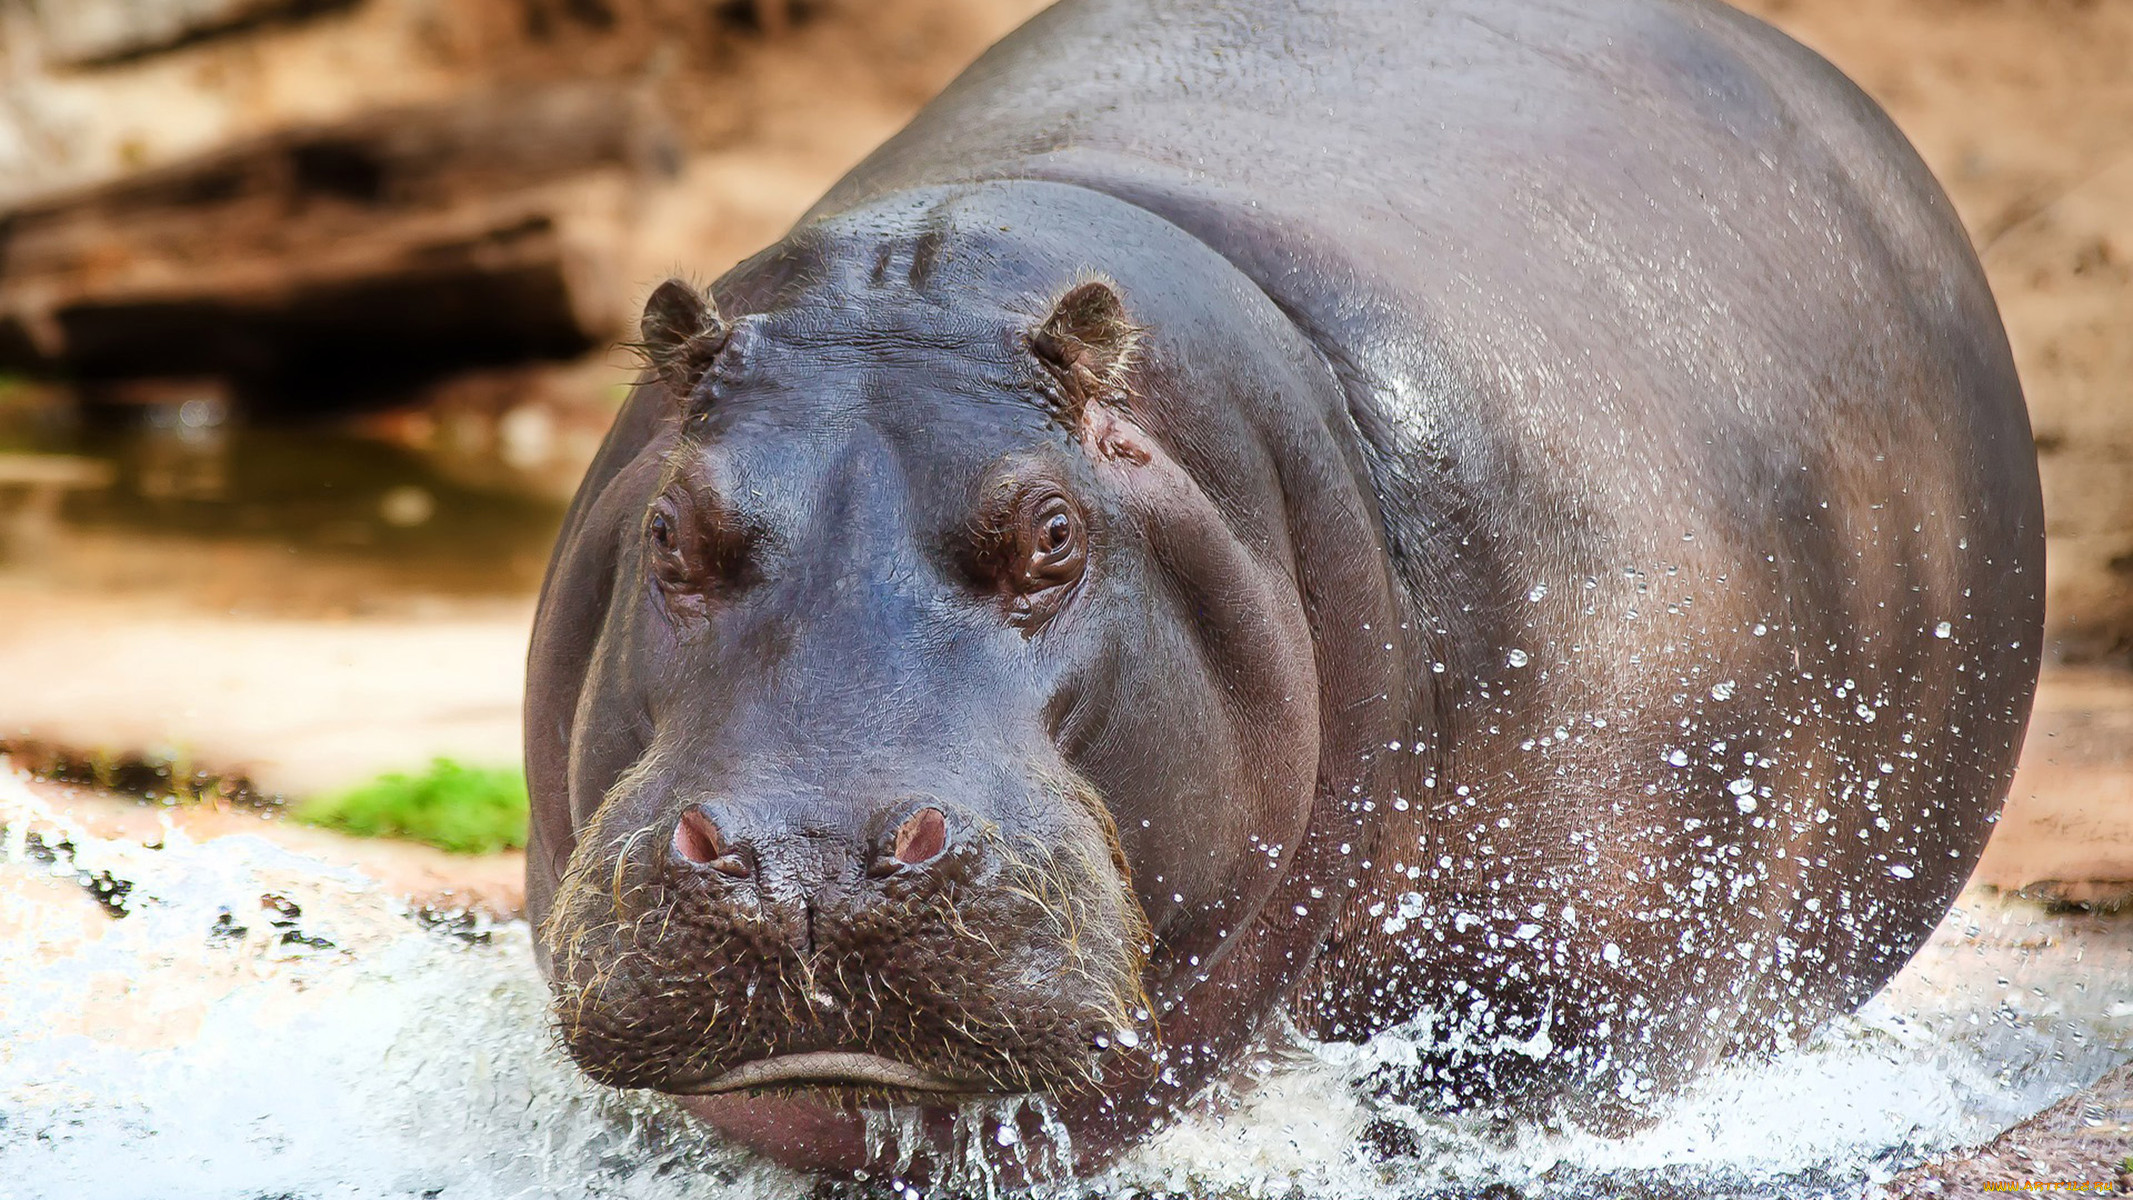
[(147, 1056)]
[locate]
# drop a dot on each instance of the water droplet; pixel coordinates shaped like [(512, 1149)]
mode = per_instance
[(1678, 758), (1517, 658), (1723, 691), (1943, 629), (1539, 592)]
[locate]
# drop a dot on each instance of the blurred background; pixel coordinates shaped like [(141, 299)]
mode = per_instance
[(307, 311)]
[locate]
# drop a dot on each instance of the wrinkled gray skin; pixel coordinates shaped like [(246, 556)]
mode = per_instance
[(1564, 559)]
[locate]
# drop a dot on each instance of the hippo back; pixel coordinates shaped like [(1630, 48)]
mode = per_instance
[(1697, 442)]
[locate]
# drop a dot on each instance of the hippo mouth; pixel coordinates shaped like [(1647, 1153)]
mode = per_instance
[(832, 1068)]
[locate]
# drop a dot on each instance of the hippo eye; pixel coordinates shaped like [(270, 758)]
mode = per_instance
[(1057, 532), (681, 555), (1047, 554), (1052, 541)]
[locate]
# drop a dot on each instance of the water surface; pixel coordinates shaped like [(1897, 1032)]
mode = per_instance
[(230, 1020)]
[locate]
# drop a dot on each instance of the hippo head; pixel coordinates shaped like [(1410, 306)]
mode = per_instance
[(924, 702)]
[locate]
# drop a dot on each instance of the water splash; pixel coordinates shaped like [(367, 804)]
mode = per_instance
[(1996, 1018), (258, 1023), (261, 1024)]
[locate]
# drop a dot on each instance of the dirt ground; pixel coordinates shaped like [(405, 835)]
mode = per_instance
[(2084, 1138), (2067, 831)]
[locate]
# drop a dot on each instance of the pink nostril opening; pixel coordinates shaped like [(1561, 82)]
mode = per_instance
[(921, 837), (696, 839)]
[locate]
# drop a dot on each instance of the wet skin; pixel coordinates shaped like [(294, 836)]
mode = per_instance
[(1521, 514)]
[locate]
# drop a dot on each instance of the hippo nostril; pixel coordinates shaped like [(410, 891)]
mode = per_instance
[(697, 840), (921, 837)]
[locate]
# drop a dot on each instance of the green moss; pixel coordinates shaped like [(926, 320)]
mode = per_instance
[(455, 807)]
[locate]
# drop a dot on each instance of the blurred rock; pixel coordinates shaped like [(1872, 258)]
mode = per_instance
[(477, 232), (348, 203), (78, 32)]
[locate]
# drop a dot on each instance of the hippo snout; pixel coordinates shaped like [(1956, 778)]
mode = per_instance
[(796, 881), (913, 946), (725, 842)]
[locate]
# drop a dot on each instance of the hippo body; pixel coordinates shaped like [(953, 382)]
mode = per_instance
[(1560, 570)]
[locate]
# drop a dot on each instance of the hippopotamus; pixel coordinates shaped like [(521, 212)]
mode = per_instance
[(1512, 521)]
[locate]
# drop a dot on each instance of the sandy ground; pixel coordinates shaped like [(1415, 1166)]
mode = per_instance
[(299, 706), (302, 706), (2086, 1138), (2067, 831)]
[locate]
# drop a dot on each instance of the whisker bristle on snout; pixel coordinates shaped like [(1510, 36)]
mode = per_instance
[(700, 978)]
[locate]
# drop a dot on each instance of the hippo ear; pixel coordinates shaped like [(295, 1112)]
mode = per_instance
[(1088, 344), (682, 334)]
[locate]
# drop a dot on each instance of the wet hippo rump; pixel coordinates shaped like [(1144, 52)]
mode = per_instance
[(1510, 519)]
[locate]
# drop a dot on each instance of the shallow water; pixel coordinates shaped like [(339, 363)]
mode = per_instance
[(308, 497), (258, 1024)]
